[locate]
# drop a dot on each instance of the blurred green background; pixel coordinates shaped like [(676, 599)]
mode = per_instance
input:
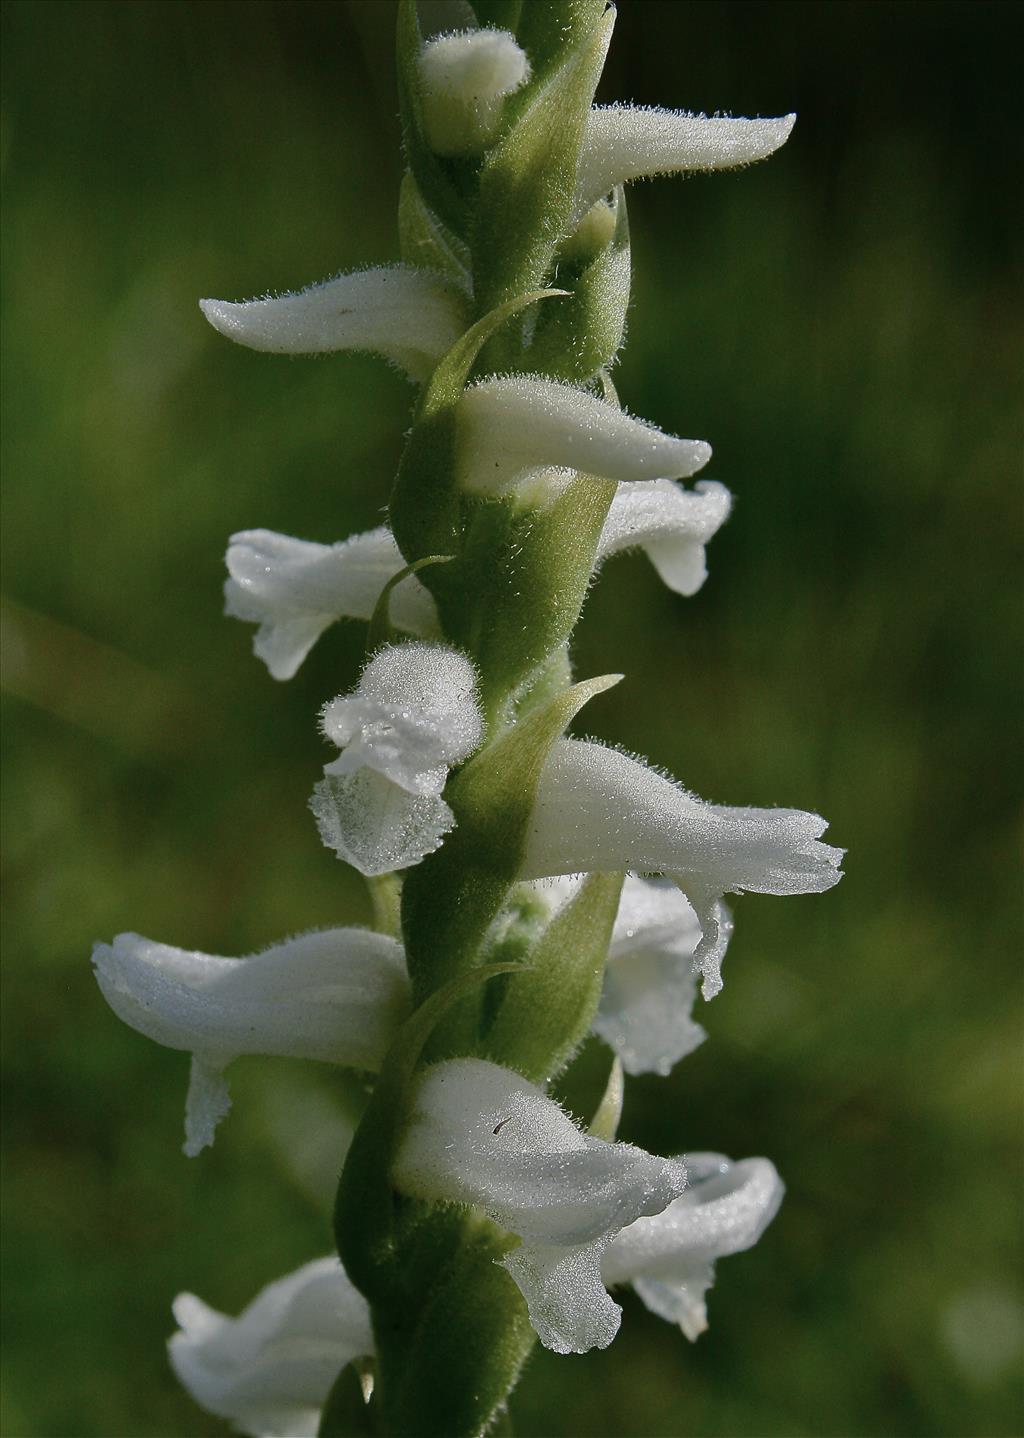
[(843, 324)]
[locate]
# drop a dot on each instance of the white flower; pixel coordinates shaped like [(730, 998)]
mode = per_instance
[(670, 1258), (408, 315), (624, 142), (464, 81), (508, 429), (294, 589), (671, 524), (269, 1371), (480, 1134), (413, 716), (337, 995), (598, 810)]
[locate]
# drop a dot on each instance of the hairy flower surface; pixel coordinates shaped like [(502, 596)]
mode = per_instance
[(464, 82), (269, 1370), (479, 1134), (670, 524), (336, 995)]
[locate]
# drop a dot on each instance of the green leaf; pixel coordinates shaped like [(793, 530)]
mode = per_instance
[(425, 241), (605, 1123), (379, 630), (548, 1008), (435, 179), (549, 29)]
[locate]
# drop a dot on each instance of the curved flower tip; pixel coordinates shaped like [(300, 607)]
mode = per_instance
[(480, 1134), (624, 142), (337, 995), (294, 589), (269, 1371), (407, 315), (510, 428), (598, 810), (413, 716), (670, 1258), (464, 82), (670, 524)]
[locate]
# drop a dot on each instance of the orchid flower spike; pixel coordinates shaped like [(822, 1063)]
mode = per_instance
[(269, 1371), (511, 428), (337, 995), (414, 715), (670, 1258), (480, 1134), (408, 315), (625, 142), (599, 810), (464, 82), (670, 524), (294, 589)]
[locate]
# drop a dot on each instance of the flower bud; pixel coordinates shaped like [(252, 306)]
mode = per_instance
[(464, 81)]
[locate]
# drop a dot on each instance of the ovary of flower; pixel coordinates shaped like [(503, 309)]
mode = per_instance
[(509, 428), (625, 142), (670, 524), (269, 1371), (670, 1258), (480, 1134), (294, 589), (413, 716), (464, 80), (598, 810), (408, 315), (337, 995)]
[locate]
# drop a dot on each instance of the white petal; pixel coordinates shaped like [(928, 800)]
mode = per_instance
[(408, 315), (669, 1258), (672, 525), (623, 142), (294, 589), (413, 715), (374, 824), (337, 995), (464, 80), (510, 428), (270, 1370), (569, 1306), (598, 810)]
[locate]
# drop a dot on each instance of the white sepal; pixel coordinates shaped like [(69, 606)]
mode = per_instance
[(670, 1258), (671, 524), (337, 995), (480, 1134), (598, 810), (513, 427), (413, 716), (625, 142), (269, 1371), (294, 589), (464, 81), (408, 315)]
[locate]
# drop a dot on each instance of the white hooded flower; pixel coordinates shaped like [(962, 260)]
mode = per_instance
[(670, 1258), (464, 82), (413, 716), (294, 589), (624, 142), (670, 524), (598, 810), (511, 428), (408, 315), (269, 1371), (480, 1134), (337, 995)]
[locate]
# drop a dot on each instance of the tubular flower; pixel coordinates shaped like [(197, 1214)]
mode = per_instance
[(413, 716), (408, 315), (294, 589), (625, 142), (670, 1258), (600, 810), (670, 524), (269, 1370), (509, 429), (337, 995), (479, 1134)]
